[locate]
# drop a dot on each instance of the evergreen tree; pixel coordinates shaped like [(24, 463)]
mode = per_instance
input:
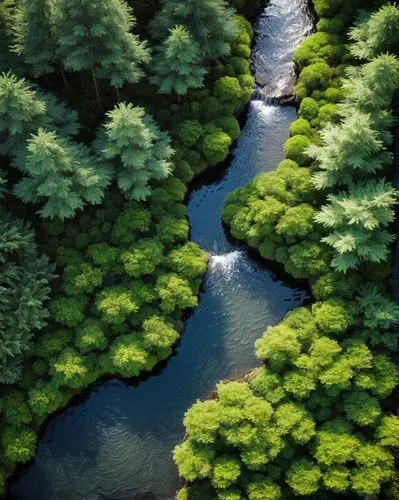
[(358, 220), (376, 33), (35, 36), (21, 112), (139, 151), (24, 289), (177, 64), (95, 36), (60, 174), (348, 151), (210, 23)]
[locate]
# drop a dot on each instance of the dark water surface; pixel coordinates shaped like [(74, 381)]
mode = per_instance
[(117, 444)]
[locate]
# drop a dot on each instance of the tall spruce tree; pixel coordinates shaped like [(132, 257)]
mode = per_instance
[(60, 174), (210, 23), (95, 36), (177, 64), (137, 149), (35, 33)]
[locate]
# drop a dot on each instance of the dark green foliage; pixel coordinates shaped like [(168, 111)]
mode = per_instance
[(35, 34), (209, 22), (103, 44), (24, 290)]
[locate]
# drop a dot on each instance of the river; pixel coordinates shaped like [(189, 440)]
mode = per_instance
[(116, 442)]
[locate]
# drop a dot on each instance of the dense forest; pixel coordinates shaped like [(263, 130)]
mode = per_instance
[(108, 110)]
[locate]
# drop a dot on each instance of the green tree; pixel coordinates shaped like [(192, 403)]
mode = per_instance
[(177, 64), (24, 289), (359, 220), (21, 112), (376, 33), (137, 148), (60, 175), (35, 34), (96, 36), (210, 23)]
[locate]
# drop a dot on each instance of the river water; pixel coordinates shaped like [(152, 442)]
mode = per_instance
[(116, 443)]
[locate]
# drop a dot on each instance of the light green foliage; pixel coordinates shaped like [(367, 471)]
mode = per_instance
[(143, 258), (177, 64), (128, 356), (303, 477), (295, 149), (21, 112), (18, 445), (174, 292), (44, 399), (69, 369), (359, 220), (376, 33), (229, 93), (137, 149), (188, 261), (60, 174), (96, 36), (24, 289), (215, 145), (115, 304), (225, 472), (90, 336), (209, 22)]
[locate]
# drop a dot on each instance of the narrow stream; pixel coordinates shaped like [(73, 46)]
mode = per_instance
[(117, 444)]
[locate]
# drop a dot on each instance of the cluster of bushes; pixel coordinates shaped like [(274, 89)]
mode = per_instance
[(110, 190), (309, 422), (313, 421)]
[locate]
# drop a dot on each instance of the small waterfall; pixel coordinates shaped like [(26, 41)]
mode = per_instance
[(225, 263)]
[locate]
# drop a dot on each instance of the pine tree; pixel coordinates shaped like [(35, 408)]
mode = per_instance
[(358, 220), (35, 35), (348, 151), (210, 23), (377, 33), (24, 289), (95, 36), (60, 175), (137, 148), (21, 112), (25, 108), (177, 64)]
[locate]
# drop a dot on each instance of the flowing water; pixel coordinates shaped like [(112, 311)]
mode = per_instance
[(117, 442)]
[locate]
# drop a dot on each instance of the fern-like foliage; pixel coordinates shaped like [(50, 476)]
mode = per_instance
[(358, 220), (24, 288)]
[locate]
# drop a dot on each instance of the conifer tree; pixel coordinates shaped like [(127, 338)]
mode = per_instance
[(210, 23), (21, 112), (24, 289), (24, 109), (359, 220), (376, 33), (35, 25), (60, 175), (137, 148), (95, 36), (177, 64), (348, 151)]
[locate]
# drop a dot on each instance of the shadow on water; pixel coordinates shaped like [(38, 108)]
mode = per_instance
[(116, 441)]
